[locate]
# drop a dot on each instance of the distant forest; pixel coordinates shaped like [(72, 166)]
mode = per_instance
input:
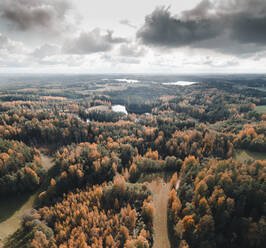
[(93, 195)]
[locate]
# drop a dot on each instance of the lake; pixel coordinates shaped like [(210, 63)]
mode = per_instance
[(119, 109)]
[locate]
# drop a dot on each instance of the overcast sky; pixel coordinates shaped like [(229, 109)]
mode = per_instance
[(141, 36)]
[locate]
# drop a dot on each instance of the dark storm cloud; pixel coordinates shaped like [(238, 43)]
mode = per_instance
[(162, 29), (246, 29), (25, 15), (236, 26), (92, 42), (199, 12)]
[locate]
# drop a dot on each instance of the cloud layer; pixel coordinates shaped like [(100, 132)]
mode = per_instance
[(92, 42), (59, 35), (8, 46), (127, 23), (211, 24), (24, 15)]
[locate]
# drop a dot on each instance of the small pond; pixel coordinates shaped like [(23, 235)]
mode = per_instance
[(119, 109)]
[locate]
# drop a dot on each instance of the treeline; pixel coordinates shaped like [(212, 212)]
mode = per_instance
[(169, 135), (149, 135), (211, 113), (252, 138), (101, 116), (219, 204), (10, 98), (20, 168), (42, 128), (87, 164), (213, 104), (200, 144), (113, 215), (78, 166)]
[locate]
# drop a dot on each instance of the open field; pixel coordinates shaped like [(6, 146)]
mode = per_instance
[(47, 162), (261, 109), (244, 156), (158, 184), (13, 208), (11, 211)]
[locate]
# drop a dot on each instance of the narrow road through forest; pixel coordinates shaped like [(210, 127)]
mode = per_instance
[(160, 191), (47, 162)]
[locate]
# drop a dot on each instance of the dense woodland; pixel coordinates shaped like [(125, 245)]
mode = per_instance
[(219, 204), (20, 168), (92, 196)]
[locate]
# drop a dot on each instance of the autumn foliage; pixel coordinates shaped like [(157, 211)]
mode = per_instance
[(218, 201), (88, 218), (20, 167)]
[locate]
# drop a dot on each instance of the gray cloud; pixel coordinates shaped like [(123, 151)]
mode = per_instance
[(127, 23), (132, 50), (216, 63), (162, 29), (201, 11), (92, 42), (45, 50), (12, 53), (26, 15), (10, 46), (119, 60), (3, 41), (231, 26)]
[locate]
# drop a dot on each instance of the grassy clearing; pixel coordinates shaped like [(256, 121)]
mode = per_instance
[(244, 156), (11, 211), (261, 109), (99, 108), (47, 162), (160, 192)]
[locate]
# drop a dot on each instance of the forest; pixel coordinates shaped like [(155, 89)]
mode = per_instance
[(96, 192)]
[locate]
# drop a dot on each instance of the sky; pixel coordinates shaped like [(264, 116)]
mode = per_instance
[(140, 36)]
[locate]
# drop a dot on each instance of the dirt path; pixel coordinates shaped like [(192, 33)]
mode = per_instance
[(160, 191), (177, 184), (245, 155), (47, 162)]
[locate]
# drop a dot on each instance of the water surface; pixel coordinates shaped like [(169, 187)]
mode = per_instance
[(119, 109)]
